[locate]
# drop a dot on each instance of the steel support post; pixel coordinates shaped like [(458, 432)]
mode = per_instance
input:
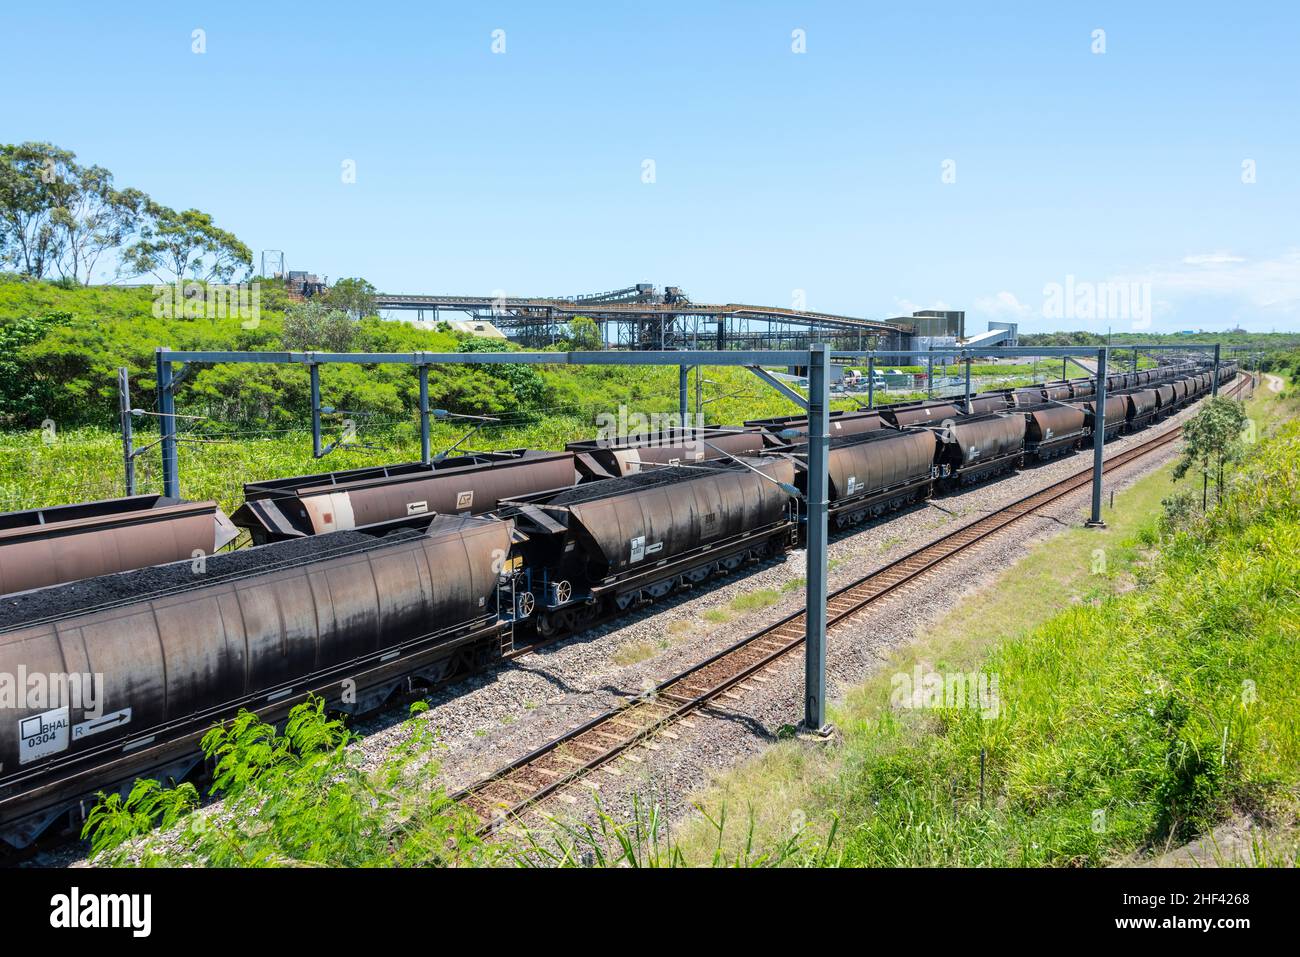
[(1098, 438), (683, 408), (167, 422), (314, 371), (815, 612), (124, 410), (968, 401), (871, 382), (426, 453), (1215, 389)]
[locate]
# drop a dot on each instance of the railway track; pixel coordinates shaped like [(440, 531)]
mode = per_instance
[(523, 784)]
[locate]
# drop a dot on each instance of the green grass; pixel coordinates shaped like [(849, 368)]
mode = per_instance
[(635, 653), (755, 600), (1141, 702)]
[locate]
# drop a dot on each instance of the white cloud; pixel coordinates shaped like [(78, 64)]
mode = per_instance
[(1004, 305), (1268, 285)]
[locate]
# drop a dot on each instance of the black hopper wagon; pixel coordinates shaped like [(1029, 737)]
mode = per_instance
[(1052, 429), (976, 447), (986, 402), (337, 501), (784, 429), (606, 545), (1166, 399), (871, 473), (1141, 407), (932, 412), (1116, 415), (615, 457)]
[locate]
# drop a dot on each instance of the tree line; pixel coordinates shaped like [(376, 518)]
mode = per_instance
[(60, 219)]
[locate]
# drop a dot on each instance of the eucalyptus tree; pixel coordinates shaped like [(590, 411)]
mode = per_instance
[(175, 245), (36, 181)]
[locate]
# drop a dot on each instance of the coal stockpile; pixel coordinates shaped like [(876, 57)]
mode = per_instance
[(61, 601)]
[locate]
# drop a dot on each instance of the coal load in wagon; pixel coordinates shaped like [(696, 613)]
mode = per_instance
[(73, 598), (49, 546)]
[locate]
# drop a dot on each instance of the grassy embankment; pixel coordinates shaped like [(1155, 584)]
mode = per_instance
[(257, 418), (1146, 693)]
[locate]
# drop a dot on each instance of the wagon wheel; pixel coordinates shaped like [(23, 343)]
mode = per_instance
[(524, 604)]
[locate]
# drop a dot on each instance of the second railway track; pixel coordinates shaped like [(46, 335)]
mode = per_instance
[(523, 784)]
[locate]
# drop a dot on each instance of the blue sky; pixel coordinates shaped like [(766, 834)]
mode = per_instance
[(774, 172)]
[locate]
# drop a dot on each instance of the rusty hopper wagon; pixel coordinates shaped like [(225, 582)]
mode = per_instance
[(977, 447), (906, 414), (620, 540), (1166, 396), (1141, 408), (1052, 429), (794, 428), (466, 485), (1081, 388), (1116, 413), (874, 472), (1057, 391), (1121, 381), (260, 629), (611, 458), (1035, 395), (50, 546), (987, 402)]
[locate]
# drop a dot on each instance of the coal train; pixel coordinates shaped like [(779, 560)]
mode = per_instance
[(366, 583)]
